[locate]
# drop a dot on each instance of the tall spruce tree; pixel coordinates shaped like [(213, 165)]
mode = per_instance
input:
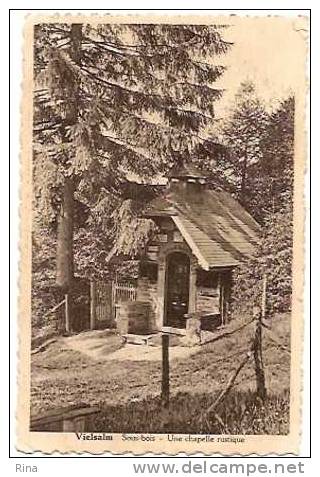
[(112, 101), (270, 187), (277, 157), (243, 133)]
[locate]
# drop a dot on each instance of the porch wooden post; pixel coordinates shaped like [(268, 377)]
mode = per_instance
[(221, 286), (224, 283), (93, 303), (192, 288)]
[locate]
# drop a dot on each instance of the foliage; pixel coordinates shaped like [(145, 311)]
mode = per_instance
[(114, 102), (271, 200), (136, 101), (43, 293), (271, 179), (142, 93), (243, 132), (132, 232)]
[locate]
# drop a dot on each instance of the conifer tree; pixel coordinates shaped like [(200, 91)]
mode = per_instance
[(243, 133), (113, 101), (270, 189)]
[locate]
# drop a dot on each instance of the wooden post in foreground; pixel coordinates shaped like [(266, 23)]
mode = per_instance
[(67, 312), (92, 304), (165, 370), (257, 353)]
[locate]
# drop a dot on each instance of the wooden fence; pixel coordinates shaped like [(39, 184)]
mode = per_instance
[(105, 300), (101, 301), (123, 292)]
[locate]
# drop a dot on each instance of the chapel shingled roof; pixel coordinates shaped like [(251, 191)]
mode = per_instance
[(220, 232), (185, 171)]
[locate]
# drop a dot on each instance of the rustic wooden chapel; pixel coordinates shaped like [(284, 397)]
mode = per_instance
[(186, 269)]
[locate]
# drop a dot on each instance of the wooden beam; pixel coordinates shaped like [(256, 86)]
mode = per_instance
[(257, 353), (165, 383)]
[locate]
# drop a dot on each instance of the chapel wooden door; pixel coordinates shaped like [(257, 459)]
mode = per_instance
[(177, 289)]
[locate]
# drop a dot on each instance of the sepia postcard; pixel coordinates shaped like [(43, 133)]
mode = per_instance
[(162, 234)]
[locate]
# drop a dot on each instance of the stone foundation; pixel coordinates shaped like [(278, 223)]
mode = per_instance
[(147, 292), (193, 329), (135, 317)]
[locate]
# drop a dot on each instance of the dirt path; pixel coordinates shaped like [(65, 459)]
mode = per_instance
[(95, 368), (104, 346)]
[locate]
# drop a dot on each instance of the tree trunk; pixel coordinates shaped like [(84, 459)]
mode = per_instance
[(65, 238), (65, 265)]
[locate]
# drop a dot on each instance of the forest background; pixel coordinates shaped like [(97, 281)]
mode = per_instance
[(115, 108)]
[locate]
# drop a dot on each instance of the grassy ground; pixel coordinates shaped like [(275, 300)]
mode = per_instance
[(239, 413), (62, 376)]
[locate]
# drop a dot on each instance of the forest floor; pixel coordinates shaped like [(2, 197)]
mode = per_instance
[(105, 372)]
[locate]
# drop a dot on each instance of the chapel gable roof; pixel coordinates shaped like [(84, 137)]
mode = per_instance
[(220, 232)]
